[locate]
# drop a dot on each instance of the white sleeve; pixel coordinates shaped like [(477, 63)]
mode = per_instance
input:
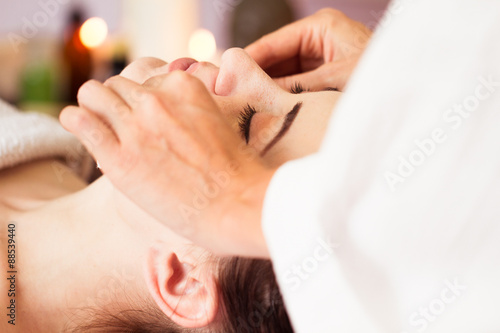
[(394, 225)]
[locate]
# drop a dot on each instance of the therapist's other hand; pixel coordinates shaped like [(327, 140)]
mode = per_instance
[(318, 51), (166, 146)]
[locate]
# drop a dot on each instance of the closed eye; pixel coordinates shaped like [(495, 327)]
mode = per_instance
[(245, 120), (298, 88)]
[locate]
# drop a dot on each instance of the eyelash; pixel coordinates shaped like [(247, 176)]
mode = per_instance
[(244, 120), (297, 88), (330, 89)]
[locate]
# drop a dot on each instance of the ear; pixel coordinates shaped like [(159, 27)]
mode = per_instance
[(182, 286)]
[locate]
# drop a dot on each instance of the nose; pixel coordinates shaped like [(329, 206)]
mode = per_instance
[(242, 83), (240, 75)]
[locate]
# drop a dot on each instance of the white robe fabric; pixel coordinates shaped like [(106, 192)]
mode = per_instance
[(394, 226)]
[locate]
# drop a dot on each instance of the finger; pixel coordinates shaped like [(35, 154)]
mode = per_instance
[(99, 139), (100, 99), (129, 91), (285, 68), (153, 107), (144, 68), (169, 85), (331, 75), (295, 65), (277, 46)]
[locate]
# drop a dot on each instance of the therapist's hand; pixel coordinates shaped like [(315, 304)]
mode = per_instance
[(166, 146), (318, 51)]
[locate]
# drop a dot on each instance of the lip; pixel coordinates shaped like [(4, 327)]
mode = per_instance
[(182, 64)]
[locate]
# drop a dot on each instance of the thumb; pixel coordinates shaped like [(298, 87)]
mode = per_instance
[(330, 75)]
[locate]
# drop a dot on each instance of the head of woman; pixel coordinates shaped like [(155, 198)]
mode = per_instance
[(194, 289), (187, 289), (280, 125)]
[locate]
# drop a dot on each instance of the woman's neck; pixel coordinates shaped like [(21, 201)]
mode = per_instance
[(29, 185), (73, 251)]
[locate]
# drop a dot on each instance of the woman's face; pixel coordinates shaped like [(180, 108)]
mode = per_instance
[(281, 125)]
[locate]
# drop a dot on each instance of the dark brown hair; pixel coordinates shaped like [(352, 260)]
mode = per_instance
[(250, 303)]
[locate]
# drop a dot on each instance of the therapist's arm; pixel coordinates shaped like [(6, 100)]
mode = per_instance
[(167, 147), (318, 51)]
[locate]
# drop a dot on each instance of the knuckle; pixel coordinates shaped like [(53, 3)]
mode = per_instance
[(150, 100), (154, 82), (183, 81), (149, 62), (331, 16), (120, 108), (111, 81), (178, 77), (131, 69), (79, 120), (328, 12), (125, 160), (134, 97)]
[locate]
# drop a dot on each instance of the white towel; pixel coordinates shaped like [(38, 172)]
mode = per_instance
[(28, 136)]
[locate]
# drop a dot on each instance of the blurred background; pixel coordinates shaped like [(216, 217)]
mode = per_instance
[(48, 48)]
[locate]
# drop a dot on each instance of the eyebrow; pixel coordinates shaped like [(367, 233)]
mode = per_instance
[(290, 117)]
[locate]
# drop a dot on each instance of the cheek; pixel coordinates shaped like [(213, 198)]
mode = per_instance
[(264, 128)]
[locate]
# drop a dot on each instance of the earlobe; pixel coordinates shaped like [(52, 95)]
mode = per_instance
[(182, 289)]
